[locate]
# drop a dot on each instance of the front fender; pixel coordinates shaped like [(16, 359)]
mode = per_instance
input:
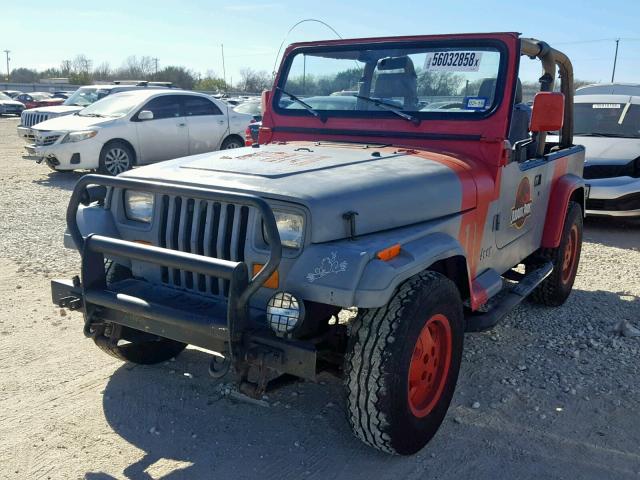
[(562, 191), (348, 273), (90, 220)]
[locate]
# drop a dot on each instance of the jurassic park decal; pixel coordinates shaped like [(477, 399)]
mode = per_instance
[(522, 208)]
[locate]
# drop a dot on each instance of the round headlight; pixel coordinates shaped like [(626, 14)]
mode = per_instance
[(284, 312)]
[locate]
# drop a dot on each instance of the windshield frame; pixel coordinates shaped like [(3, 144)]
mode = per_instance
[(495, 44)]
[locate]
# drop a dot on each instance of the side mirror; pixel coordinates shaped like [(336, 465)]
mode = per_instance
[(145, 115), (548, 112)]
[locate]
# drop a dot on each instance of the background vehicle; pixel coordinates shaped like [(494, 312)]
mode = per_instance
[(255, 252), (137, 127), (8, 106), (608, 125), (38, 99), (81, 98), (250, 107), (11, 93)]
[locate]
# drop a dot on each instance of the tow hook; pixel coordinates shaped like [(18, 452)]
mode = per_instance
[(72, 303), (259, 370)]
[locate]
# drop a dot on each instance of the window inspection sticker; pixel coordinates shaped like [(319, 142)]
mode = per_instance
[(453, 61), (475, 103)]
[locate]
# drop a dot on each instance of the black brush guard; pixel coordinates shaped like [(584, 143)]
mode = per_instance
[(216, 324)]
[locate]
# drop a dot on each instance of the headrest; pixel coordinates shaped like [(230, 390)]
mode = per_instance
[(397, 63)]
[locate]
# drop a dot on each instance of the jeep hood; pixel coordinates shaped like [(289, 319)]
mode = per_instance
[(385, 186)]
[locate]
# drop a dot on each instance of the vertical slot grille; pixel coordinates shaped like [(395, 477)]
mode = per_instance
[(209, 228)]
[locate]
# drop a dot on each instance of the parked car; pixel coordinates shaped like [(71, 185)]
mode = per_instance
[(135, 128), (9, 106), (62, 94), (80, 99), (632, 89), (250, 107), (12, 93), (252, 133), (38, 99), (429, 223), (608, 125)]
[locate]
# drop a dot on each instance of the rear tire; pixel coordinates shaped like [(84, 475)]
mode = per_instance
[(143, 353), (402, 364), (556, 288), (115, 158)]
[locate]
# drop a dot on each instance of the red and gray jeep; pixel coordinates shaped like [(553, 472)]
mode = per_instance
[(424, 197)]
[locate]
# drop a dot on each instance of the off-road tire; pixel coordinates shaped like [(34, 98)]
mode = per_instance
[(380, 352), (556, 288), (232, 142), (143, 353), (113, 151)]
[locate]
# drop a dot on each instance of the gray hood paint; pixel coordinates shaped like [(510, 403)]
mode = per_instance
[(393, 190), (609, 150)]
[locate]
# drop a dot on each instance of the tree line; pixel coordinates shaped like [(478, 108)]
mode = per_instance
[(81, 70)]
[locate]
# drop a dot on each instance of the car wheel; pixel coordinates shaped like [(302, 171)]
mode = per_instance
[(231, 142), (402, 364), (555, 289), (115, 158), (140, 352)]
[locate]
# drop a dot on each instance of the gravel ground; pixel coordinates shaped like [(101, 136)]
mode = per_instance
[(549, 393)]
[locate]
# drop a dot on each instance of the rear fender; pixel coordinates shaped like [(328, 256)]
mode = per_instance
[(347, 274), (566, 187)]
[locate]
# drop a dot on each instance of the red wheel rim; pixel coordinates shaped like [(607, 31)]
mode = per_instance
[(429, 365), (569, 259)]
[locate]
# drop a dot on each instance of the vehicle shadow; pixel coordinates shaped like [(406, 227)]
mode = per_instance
[(178, 416), (63, 180), (613, 232)]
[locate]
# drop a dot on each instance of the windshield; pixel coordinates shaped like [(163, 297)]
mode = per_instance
[(5, 97), (114, 106), (86, 96), (371, 80), (607, 119), (251, 108)]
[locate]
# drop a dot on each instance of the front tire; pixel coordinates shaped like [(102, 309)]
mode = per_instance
[(556, 288), (402, 364), (115, 158)]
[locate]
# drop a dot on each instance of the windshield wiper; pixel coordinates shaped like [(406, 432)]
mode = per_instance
[(305, 105), (392, 108), (91, 114)]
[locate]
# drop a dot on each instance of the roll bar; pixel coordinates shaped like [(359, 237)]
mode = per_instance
[(551, 57)]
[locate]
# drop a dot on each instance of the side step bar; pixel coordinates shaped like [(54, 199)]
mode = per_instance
[(528, 283)]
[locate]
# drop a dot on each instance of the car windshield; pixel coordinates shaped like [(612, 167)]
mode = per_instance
[(251, 108), (113, 106), (86, 96), (371, 80), (5, 97), (607, 119)]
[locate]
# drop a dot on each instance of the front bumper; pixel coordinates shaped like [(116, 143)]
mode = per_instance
[(66, 156), (615, 197), (225, 325), (26, 133)]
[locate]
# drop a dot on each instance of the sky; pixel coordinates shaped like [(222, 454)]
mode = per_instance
[(190, 33)]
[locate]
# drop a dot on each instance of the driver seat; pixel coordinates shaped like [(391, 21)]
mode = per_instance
[(397, 84)]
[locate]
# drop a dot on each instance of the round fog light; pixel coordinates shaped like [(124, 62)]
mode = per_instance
[(284, 312)]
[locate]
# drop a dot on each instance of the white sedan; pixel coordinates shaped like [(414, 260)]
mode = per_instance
[(136, 128)]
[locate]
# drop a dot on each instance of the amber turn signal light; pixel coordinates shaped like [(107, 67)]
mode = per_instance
[(272, 282), (388, 253)]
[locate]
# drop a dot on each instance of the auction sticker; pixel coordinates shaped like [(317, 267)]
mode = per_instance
[(606, 105), (455, 61)]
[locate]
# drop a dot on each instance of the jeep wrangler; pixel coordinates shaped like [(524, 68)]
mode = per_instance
[(364, 234)]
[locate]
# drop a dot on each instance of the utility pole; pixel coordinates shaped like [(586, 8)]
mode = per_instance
[(155, 59), (615, 60), (7, 52), (224, 72)]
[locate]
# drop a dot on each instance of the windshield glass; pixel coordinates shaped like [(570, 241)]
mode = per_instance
[(5, 97), (422, 80), (86, 96), (116, 105), (607, 119)]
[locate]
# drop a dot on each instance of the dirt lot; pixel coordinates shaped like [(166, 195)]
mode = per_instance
[(547, 394)]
